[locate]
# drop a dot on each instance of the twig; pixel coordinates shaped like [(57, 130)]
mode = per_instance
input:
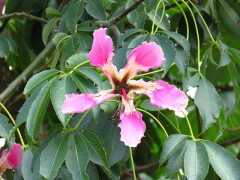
[(232, 129), (23, 14), (14, 84), (230, 142)]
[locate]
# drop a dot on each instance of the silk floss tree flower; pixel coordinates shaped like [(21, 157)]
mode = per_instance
[(142, 58), (11, 159)]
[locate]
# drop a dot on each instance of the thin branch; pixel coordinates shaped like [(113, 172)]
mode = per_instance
[(25, 15), (14, 84), (230, 142), (232, 129)]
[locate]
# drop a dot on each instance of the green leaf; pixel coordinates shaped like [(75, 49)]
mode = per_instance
[(115, 148), (48, 29), (235, 55), (179, 39), (5, 127), (27, 165), (4, 49), (85, 86), (53, 156), (9, 42), (181, 60), (36, 80), (208, 102), (96, 149), (71, 47), (228, 17), (168, 49), (59, 88), (164, 24), (223, 162), (176, 161), (147, 106), (196, 161), (224, 58), (86, 42), (59, 37), (23, 113), (51, 12), (37, 111), (76, 59), (91, 74), (77, 157), (138, 16), (171, 145), (73, 15), (127, 34), (95, 9)]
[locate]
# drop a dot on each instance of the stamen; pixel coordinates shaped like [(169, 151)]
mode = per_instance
[(124, 93)]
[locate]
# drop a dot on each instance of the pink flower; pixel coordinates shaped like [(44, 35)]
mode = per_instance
[(11, 159), (142, 58)]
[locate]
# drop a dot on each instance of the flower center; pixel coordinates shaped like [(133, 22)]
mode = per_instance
[(122, 88)]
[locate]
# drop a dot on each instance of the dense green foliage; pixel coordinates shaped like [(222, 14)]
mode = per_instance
[(44, 46)]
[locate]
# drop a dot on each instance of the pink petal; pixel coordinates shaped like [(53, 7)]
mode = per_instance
[(78, 103), (102, 48), (142, 58), (132, 128), (1, 6), (15, 156), (161, 94)]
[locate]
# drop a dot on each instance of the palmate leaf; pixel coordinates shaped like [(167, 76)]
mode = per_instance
[(171, 145), (47, 30), (36, 80), (196, 161), (77, 157), (223, 162), (176, 161), (97, 152), (53, 156), (59, 88), (208, 102), (95, 9), (27, 165), (37, 111)]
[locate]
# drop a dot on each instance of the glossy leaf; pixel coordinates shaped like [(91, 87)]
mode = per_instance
[(223, 162), (176, 161), (127, 34), (181, 60), (26, 165), (38, 79), (59, 88), (53, 156), (73, 14), (91, 74), (37, 111), (77, 157), (164, 25), (208, 103), (76, 59), (196, 161), (48, 29), (225, 58), (95, 9), (5, 127), (171, 145), (179, 39), (96, 149)]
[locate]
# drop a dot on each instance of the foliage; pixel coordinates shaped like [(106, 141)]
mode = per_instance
[(44, 46)]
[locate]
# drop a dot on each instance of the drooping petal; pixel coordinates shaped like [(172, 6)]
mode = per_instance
[(132, 128), (161, 94), (142, 58), (102, 48), (15, 156), (78, 103), (11, 159)]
